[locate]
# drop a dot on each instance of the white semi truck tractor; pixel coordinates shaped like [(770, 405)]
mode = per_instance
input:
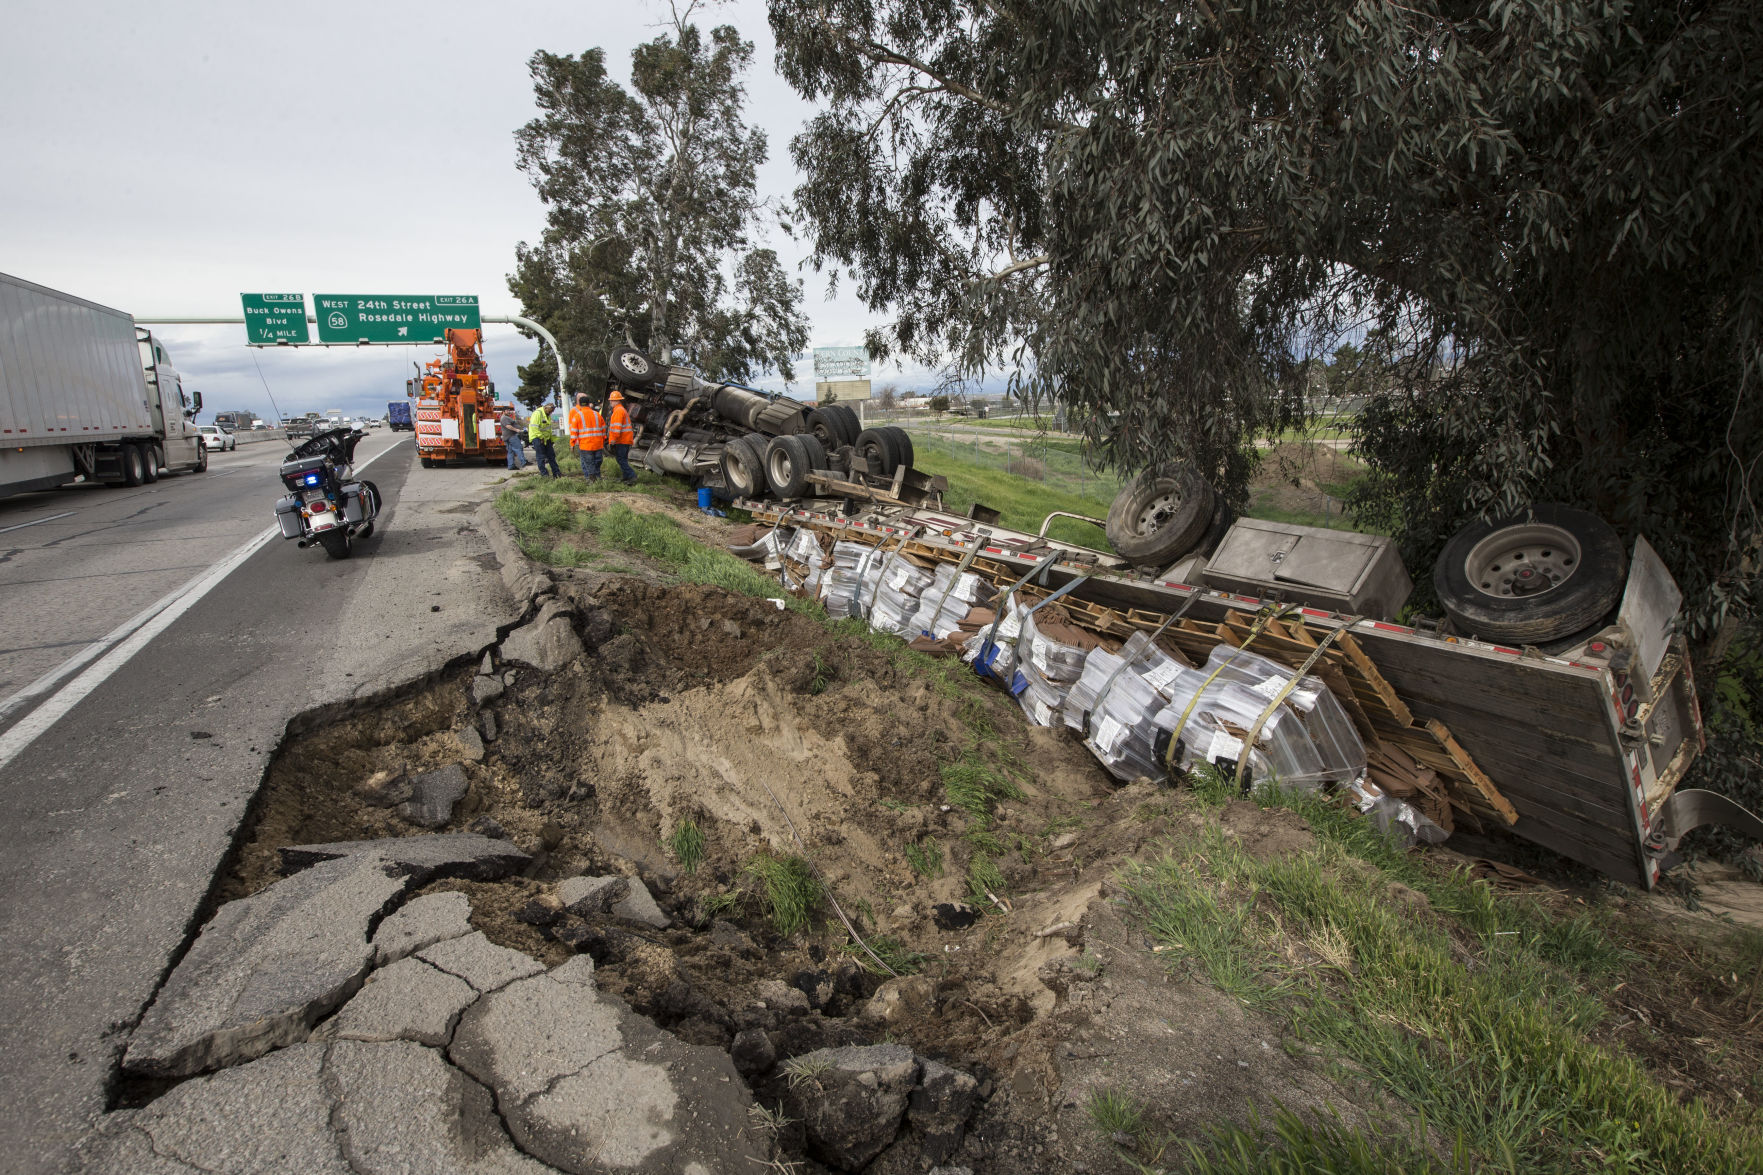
[(84, 392)]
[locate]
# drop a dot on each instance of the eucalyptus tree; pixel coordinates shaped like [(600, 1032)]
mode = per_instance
[(653, 219), (1545, 211)]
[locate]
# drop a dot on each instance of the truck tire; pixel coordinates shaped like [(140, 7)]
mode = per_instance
[(817, 454), (853, 425), (634, 369), (902, 445), (827, 427), (150, 462), (742, 471), (1223, 518), (1532, 578), (336, 543), (787, 462), (201, 465), (1160, 515), (875, 447), (134, 466)]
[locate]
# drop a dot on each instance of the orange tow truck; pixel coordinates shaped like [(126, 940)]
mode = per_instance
[(456, 406)]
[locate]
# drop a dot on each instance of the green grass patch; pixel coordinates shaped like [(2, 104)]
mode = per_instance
[(925, 858), (889, 950), (686, 843), (1294, 1146), (1113, 1112), (978, 472), (665, 541), (975, 785), (984, 879), (787, 889), (1490, 1046)]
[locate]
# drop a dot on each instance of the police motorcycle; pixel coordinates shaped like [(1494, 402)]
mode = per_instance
[(326, 505)]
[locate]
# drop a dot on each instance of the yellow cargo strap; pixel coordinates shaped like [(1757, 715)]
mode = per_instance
[(1261, 622), (1285, 691)]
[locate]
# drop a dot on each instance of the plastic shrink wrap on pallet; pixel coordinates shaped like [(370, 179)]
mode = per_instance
[(893, 597), (992, 652), (1337, 744), (948, 599), (1117, 710), (842, 586), (1153, 664), (1397, 817), (1045, 671)]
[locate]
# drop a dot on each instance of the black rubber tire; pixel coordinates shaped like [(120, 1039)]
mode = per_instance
[(1223, 518), (853, 424), (150, 462), (201, 459), (1581, 599), (742, 471), (634, 369), (1151, 535), (426, 462), (877, 450), (827, 427), (902, 445), (787, 463), (336, 543), (134, 466), (817, 458)]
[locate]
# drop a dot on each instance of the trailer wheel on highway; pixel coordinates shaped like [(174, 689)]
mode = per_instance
[(336, 543), (1532, 578), (877, 450), (149, 464), (742, 471), (853, 425), (1160, 515), (630, 366), (133, 465), (787, 462), (903, 454)]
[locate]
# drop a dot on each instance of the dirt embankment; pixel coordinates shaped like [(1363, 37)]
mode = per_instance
[(773, 735)]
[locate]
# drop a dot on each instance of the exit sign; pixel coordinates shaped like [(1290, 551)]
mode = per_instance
[(393, 318), (275, 320)]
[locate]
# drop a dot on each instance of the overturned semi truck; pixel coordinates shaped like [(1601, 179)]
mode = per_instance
[(1554, 700)]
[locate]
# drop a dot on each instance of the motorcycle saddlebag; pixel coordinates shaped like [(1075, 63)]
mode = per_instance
[(287, 512), (353, 506)]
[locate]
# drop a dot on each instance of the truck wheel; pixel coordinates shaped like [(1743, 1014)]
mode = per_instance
[(336, 543), (134, 466), (149, 464), (1532, 578), (631, 367), (853, 425), (201, 465), (742, 471), (875, 447), (902, 445), (787, 463), (1160, 515), (817, 458), (1223, 518), (827, 427)]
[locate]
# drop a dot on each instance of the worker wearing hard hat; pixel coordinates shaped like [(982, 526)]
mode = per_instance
[(543, 436), (620, 436), (587, 435)]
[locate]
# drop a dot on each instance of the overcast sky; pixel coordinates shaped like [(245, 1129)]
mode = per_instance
[(163, 158)]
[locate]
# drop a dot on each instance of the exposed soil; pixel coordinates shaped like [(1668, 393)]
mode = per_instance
[(773, 734), (1296, 477)]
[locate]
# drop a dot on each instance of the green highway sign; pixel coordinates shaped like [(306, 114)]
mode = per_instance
[(274, 319), (393, 318)]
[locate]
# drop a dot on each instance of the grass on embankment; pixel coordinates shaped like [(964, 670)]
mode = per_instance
[(1476, 1014), (1055, 478)]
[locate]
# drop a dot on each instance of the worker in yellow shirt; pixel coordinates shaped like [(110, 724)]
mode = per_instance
[(542, 435), (587, 435), (620, 436)]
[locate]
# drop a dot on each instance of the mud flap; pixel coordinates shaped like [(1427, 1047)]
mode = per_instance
[(1693, 808)]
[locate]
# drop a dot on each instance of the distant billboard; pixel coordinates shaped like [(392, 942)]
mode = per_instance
[(841, 363)]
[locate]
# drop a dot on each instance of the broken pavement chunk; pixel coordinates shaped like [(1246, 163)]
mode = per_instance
[(433, 795), (852, 1103), (480, 962), (548, 642), (410, 1000), (423, 921)]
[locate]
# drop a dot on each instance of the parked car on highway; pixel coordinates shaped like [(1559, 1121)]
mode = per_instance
[(217, 438)]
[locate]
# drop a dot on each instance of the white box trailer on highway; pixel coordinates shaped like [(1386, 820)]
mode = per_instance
[(85, 392)]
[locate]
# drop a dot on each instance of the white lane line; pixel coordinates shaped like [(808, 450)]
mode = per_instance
[(40, 521), (145, 626)]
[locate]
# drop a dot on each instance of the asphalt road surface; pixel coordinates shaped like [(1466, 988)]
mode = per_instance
[(124, 778)]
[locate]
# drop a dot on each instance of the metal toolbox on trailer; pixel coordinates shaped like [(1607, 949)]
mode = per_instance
[(1341, 570)]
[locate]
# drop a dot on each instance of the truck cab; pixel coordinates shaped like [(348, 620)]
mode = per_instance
[(172, 409)]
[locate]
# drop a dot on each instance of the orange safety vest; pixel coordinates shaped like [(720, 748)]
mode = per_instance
[(587, 429), (620, 431)]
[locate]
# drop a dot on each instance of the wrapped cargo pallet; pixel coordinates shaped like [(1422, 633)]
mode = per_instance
[(1324, 719), (1212, 718), (992, 651), (894, 599), (948, 599), (842, 584), (1049, 659)]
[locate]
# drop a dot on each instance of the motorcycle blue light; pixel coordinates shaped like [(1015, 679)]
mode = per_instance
[(313, 479)]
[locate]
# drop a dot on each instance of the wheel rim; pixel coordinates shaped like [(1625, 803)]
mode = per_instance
[(1522, 561), (778, 462), (1158, 511), (635, 366)]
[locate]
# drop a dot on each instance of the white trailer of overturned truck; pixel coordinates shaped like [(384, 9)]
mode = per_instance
[(84, 392)]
